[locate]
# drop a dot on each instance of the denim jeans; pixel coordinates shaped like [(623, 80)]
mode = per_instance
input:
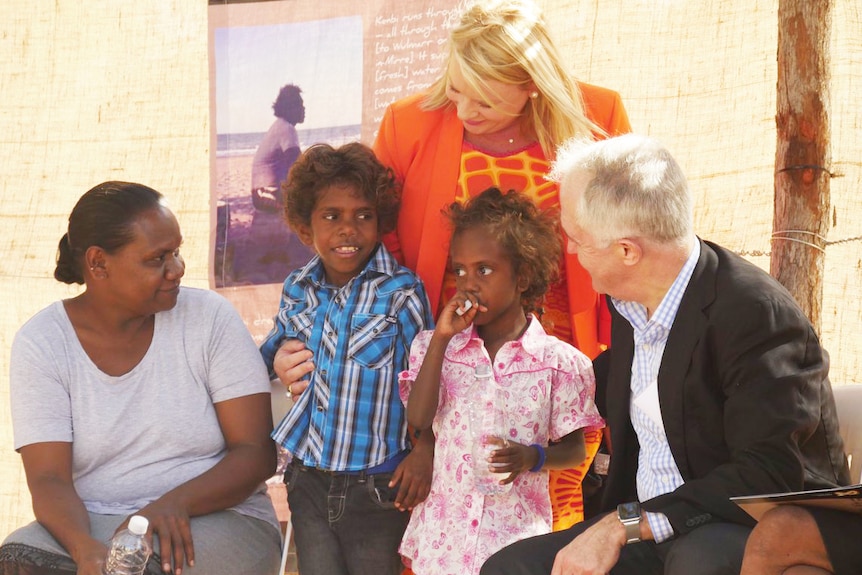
[(344, 523)]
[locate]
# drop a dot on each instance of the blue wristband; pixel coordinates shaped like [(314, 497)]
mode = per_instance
[(541, 461)]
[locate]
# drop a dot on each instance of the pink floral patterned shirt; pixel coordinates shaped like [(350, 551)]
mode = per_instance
[(547, 389)]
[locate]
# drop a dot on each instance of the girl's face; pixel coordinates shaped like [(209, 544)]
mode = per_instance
[(481, 116), (145, 273), (483, 269), (343, 232)]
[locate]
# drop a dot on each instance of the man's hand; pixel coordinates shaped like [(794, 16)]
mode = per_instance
[(593, 552)]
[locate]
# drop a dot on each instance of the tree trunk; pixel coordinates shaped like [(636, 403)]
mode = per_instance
[(803, 152)]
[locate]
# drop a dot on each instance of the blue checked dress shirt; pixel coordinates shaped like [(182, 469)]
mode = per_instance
[(657, 471), (351, 416)]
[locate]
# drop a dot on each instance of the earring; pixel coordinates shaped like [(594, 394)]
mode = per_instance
[(534, 94)]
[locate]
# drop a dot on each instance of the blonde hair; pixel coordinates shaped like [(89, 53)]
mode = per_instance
[(507, 41)]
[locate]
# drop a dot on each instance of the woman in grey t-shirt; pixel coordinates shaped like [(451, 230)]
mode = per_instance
[(139, 397)]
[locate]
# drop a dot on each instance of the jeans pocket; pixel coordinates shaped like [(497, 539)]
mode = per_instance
[(380, 492), (291, 474)]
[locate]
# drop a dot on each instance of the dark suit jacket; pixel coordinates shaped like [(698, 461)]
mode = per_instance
[(744, 394)]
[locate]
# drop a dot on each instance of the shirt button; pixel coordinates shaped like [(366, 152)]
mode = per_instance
[(319, 408)]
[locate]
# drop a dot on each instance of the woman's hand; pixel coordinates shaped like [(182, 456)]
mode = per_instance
[(292, 363), (170, 521), (245, 423), (58, 507), (90, 558)]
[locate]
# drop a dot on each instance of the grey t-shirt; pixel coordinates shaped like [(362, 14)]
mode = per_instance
[(139, 435)]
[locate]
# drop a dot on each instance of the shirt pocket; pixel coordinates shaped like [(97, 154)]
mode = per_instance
[(298, 326), (372, 340)]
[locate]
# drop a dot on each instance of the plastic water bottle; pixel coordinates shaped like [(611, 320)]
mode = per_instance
[(483, 416), (129, 550)]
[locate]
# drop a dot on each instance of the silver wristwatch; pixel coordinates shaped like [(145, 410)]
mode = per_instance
[(630, 516)]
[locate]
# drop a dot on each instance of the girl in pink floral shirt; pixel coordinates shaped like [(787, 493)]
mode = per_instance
[(504, 254)]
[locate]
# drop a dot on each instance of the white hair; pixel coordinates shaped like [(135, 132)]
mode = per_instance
[(635, 189)]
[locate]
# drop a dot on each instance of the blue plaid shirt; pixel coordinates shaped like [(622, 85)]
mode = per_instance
[(657, 471), (351, 416)]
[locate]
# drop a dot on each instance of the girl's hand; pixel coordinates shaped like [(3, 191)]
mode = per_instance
[(458, 314), (512, 458)]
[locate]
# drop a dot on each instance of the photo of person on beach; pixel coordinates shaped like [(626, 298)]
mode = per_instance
[(319, 63)]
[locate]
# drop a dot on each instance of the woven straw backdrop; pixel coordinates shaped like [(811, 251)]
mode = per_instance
[(119, 89)]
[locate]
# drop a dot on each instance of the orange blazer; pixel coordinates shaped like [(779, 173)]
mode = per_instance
[(423, 148)]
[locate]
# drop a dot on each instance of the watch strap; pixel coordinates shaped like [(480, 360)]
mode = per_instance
[(629, 515)]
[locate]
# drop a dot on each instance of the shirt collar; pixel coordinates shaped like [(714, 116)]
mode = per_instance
[(666, 311), (530, 340)]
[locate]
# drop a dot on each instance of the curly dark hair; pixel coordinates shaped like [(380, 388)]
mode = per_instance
[(104, 216), (353, 164), (530, 236)]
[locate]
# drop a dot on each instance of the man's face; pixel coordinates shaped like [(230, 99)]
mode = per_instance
[(296, 115), (601, 262)]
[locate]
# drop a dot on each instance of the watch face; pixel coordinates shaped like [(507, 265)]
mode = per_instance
[(629, 510)]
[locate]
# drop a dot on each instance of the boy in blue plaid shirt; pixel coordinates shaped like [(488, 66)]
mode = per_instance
[(352, 475)]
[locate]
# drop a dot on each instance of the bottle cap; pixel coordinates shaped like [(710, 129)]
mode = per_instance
[(138, 524), (482, 370)]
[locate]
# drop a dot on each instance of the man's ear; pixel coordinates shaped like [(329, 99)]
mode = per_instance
[(304, 234), (631, 250)]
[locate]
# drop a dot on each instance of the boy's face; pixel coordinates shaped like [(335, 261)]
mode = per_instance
[(343, 232)]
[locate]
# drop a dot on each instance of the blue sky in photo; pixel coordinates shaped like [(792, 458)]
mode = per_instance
[(322, 57)]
